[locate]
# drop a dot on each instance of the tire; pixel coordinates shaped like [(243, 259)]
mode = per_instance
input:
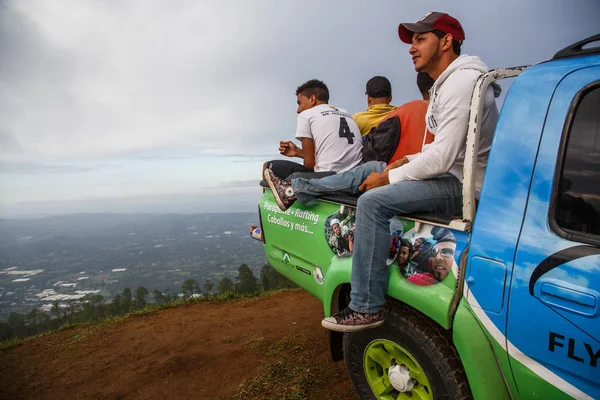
[(411, 339)]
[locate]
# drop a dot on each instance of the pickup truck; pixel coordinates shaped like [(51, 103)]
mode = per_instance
[(501, 302)]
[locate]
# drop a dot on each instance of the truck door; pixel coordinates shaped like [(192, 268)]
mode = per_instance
[(554, 304)]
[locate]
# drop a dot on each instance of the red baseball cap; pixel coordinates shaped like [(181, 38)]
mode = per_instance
[(430, 22)]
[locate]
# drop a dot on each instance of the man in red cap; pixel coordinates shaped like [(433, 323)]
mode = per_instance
[(429, 181)]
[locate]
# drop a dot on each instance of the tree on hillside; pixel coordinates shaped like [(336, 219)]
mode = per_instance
[(225, 286), (55, 309), (34, 317), (116, 305), (5, 331), (87, 312), (127, 300), (71, 313), (140, 296), (270, 279), (159, 297), (208, 286), (95, 298), (190, 286), (16, 323), (246, 281)]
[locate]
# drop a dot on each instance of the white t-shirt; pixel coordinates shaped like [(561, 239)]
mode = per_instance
[(338, 144)]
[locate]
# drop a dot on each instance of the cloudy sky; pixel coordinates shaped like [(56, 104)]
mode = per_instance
[(154, 106)]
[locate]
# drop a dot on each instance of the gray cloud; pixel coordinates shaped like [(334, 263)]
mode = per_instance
[(8, 141), (85, 84), (89, 78), (37, 168)]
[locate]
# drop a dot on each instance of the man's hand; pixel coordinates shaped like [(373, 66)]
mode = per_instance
[(396, 164), (289, 149), (375, 180)]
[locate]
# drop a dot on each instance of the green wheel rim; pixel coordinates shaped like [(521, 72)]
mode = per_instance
[(377, 361)]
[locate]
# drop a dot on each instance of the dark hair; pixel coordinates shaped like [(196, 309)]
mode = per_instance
[(424, 82), (455, 44), (442, 235), (314, 87), (406, 243)]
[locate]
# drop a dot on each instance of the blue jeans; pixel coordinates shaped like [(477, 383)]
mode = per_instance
[(372, 236), (346, 182)]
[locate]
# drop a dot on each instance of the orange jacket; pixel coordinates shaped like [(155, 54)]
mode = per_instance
[(412, 128)]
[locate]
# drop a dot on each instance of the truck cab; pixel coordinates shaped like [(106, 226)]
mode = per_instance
[(502, 301)]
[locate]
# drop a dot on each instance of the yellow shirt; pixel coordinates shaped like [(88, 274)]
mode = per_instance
[(367, 120)]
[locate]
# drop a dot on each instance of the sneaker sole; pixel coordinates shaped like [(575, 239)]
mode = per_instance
[(267, 177), (349, 328)]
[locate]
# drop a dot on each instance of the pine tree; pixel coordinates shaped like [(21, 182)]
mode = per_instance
[(116, 305), (127, 300), (208, 286), (159, 297), (225, 286), (190, 286), (140, 297), (270, 279), (55, 309), (246, 281), (16, 322)]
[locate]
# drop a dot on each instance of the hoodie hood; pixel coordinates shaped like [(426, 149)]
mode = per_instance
[(464, 61)]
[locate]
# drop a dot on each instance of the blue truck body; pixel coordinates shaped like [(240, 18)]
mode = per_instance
[(540, 299)]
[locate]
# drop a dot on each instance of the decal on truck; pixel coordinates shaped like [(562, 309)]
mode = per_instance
[(559, 258), (424, 258), (557, 340), (339, 231)]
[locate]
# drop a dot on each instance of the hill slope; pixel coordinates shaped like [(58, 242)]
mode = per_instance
[(271, 347)]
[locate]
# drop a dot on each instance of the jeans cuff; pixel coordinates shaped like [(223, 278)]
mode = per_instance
[(369, 310)]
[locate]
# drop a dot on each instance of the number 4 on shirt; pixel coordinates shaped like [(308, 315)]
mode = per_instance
[(345, 131)]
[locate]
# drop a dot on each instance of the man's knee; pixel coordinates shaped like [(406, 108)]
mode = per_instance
[(375, 201), (367, 200)]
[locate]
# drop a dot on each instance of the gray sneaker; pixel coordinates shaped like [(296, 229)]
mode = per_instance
[(349, 320), (282, 189)]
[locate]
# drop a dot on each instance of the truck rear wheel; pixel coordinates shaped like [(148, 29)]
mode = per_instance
[(416, 344)]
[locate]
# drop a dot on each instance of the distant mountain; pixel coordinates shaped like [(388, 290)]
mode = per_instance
[(109, 252)]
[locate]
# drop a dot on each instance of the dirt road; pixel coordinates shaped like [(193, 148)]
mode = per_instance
[(271, 347)]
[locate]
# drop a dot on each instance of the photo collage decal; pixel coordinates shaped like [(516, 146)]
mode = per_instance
[(424, 257)]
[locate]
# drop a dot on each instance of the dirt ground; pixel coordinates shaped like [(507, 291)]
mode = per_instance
[(272, 347)]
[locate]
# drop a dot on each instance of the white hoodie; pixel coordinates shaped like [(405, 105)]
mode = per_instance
[(447, 119)]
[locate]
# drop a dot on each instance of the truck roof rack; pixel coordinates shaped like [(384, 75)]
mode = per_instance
[(576, 49)]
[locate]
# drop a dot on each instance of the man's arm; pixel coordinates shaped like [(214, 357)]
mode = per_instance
[(438, 157), (377, 179), (289, 149), (308, 152), (304, 134), (397, 163)]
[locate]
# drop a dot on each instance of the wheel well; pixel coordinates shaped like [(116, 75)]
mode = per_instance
[(339, 301), (340, 298), (395, 306)]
